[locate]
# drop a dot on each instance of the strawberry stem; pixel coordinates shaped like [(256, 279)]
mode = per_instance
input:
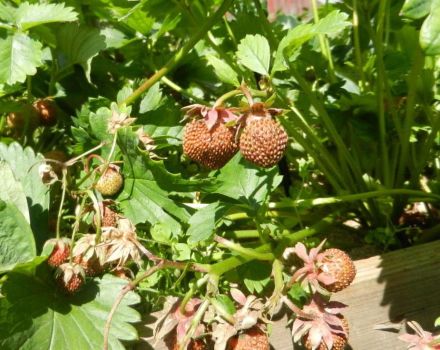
[(79, 214), (219, 102), (63, 197), (180, 54), (242, 250)]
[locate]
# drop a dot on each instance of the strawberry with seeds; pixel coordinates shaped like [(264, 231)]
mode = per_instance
[(210, 141)]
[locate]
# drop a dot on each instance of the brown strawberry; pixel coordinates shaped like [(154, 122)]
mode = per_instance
[(25, 119), (331, 271), (212, 148), (109, 218), (60, 251), (110, 182), (92, 267), (339, 265), (250, 339), (263, 141), (70, 277), (46, 112)]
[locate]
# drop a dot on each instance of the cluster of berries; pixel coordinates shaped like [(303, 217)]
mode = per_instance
[(216, 134), (320, 324), (92, 255), (243, 330)]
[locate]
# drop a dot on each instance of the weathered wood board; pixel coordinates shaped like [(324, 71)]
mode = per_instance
[(388, 290)]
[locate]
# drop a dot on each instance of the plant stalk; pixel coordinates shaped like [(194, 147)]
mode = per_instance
[(209, 23)]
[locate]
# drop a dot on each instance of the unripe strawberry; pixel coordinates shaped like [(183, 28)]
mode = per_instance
[(212, 148), (339, 265), (250, 339), (46, 112), (60, 251), (263, 141), (70, 277), (110, 182)]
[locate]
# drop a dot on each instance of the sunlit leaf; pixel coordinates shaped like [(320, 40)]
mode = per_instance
[(24, 165), (254, 53), (416, 9), (223, 70), (430, 31), (37, 315), (31, 15), (16, 239), (19, 56), (202, 223), (78, 45)]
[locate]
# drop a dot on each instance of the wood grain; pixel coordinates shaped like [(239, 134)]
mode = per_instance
[(387, 291)]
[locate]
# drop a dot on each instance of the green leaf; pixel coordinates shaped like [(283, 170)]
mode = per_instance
[(16, 239), (330, 26), (255, 275), (437, 322), (224, 304), (430, 31), (247, 183), (163, 122), (223, 71), (142, 199), (99, 123), (114, 38), (31, 15), (152, 99), (24, 165), (19, 56), (181, 252), (123, 94), (78, 45), (254, 53), (7, 13), (161, 232), (35, 315), (12, 190), (416, 9), (203, 222)]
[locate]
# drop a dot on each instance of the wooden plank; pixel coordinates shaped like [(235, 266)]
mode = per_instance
[(387, 291)]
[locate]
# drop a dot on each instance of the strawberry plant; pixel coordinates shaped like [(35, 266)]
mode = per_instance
[(185, 160)]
